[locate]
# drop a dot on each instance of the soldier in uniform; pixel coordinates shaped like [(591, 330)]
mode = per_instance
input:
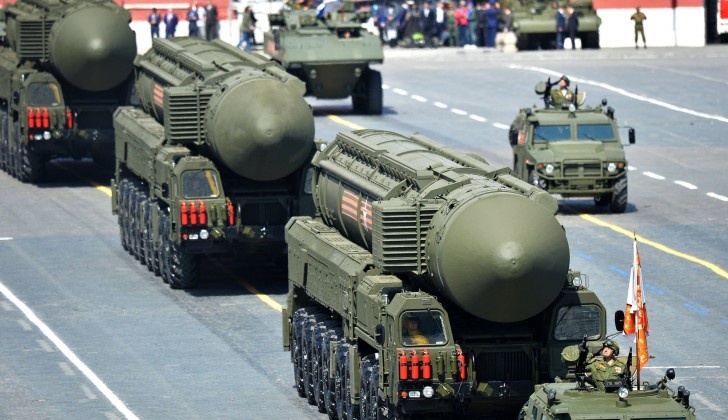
[(411, 332), (606, 367), (562, 94), (638, 17)]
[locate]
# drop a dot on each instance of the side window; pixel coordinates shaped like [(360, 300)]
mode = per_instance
[(47, 94), (572, 322), (201, 183)]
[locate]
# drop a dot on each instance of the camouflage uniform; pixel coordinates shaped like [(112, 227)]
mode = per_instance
[(601, 370)]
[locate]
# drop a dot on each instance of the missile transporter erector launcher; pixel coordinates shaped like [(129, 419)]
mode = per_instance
[(430, 282), (64, 68), (215, 161)]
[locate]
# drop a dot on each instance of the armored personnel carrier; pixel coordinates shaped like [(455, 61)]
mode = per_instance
[(571, 150), (432, 282), (534, 22), (215, 161), (64, 68), (577, 396), (331, 52)]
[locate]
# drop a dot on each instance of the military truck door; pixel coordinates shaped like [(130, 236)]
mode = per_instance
[(517, 138)]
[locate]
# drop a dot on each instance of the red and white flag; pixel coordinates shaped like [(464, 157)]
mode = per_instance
[(635, 316)]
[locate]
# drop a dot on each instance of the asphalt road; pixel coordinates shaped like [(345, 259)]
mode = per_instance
[(86, 332)]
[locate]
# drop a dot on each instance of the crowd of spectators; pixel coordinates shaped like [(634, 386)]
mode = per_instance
[(441, 23)]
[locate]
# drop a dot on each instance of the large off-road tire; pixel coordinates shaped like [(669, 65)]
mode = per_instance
[(4, 140), (121, 197), (334, 335), (30, 165), (183, 267), (148, 235), (340, 379), (369, 405), (316, 395), (164, 246), (619, 196), (309, 354), (368, 95)]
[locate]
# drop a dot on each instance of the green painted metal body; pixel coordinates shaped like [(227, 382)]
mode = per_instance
[(651, 401), (86, 48), (573, 153), (408, 225), (332, 56), (230, 119), (534, 22)]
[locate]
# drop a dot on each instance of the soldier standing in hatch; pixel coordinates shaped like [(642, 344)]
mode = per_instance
[(608, 367), (562, 94), (638, 17)]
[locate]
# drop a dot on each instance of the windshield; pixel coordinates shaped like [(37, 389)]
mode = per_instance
[(423, 327), (544, 133), (594, 132), (201, 183), (44, 94), (572, 322)]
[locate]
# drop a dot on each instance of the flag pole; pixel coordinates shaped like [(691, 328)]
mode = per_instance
[(637, 317)]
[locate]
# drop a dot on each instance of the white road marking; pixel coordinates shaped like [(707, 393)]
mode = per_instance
[(399, 91), (459, 111), (113, 399), (686, 185), (45, 346), (654, 175), (501, 126), (418, 98), (625, 93), (6, 238), (477, 118), (88, 393), (440, 105), (66, 368), (385, 86), (682, 367), (631, 168), (707, 403), (24, 325), (718, 196)]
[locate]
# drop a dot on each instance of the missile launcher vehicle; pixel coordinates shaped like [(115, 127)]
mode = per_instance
[(431, 282), (579, 397), (534, 23), (331, 53), (215, 161), (64, 68), (571, 150)]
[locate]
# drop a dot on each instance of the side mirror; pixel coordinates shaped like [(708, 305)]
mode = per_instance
[(632, 137), (619, 320), (379, 334)]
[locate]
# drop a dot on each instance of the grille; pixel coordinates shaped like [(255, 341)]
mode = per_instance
[(33, 39), (504, 366), (398, 239), (185, 121), (582, 169), (263, 214)]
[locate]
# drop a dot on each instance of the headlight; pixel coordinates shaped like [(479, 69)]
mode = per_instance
[(194, 236), (204, 234), (38, 136), (612, 167), (46, 135), (577, 282), (313, 73), (428, 392), (550, 168), (414, 394), (623, 392)]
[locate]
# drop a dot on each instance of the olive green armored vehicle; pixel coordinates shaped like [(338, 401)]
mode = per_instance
[(534, 22), (64, 68), (215, 161), (579, 397), (571, 150), (432, 282), (331, 52)]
